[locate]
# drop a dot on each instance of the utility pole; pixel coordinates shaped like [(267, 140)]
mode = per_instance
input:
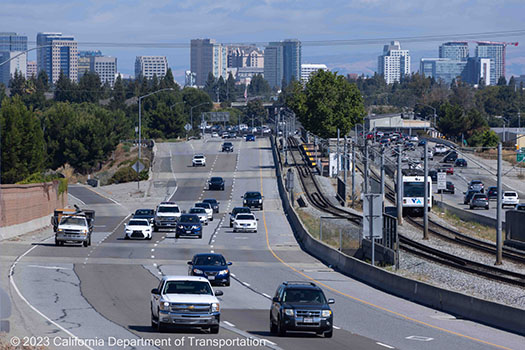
[(383, 174), (399, 188), (353, 173), (316, 153), (338, 155), (345, 165), (366, 168), (425, 198), (499, 218)]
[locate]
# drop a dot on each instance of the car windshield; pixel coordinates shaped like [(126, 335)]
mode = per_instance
[(138, 223), (245, 217), (252, 195), (203, 205), (213, 260), (199, 156), (475, 182), (189, 218), (211, 201), (144, 212), (69, 220), (228, 144), (187, 287), (414, 189), (309, 296), (197, 210), (169, 210), (216, 179), (238, 210), (511, 194)]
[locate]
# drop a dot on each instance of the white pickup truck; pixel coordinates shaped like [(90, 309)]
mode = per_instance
[(186, 301)]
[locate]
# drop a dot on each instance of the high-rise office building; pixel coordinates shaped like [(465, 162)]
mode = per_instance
[(105, 67), (148, 66), (394, 63), (292, 60), (444, 69), (455, 50), (308, 69), (245, 56), (207, 56), (496, 52), (12, 46), (31, 69), (273, 64), (58, 53), (84, 61)]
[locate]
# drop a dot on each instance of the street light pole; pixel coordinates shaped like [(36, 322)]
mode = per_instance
[(191, 111)]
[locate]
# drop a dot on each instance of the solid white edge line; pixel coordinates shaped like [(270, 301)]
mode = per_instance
[(13, 284), (229, 323), (385, 345), (337, 327), (78, 199), (266, 295), (174, 178)]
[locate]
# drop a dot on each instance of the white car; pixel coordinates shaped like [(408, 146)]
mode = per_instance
[(198, 160), (138, 229), (439, 149), (510, 198), (207, 207), (214, 134), (201, 213), (430, 154), (185, 301), (413, 138), (245, 222)]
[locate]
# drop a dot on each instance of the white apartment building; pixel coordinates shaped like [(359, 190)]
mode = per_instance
[(105, 67), (394, 63), (308, 69), (148, 66), (31, 69), (7, 71)]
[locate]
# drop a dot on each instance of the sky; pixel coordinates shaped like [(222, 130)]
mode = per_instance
[(102, 24)]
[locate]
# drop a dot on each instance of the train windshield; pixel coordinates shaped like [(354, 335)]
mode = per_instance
[(414, 189)]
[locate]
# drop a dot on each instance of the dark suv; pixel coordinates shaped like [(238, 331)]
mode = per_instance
[(450, 157), (301, 306), (216, 183), (227, 147), (189, 225), (252, 199), (492, 193), (476, 185), (468, 196)]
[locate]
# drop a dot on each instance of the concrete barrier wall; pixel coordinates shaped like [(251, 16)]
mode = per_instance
[(21, 204), (478, 310), (470, 215)]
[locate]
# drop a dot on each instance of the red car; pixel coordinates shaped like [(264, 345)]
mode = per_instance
[(448, 169)]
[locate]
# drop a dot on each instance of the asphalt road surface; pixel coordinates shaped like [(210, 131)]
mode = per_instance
[(104, 290)]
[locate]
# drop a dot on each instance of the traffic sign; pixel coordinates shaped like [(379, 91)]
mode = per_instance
[(442, 181), (138, 166), (187, 127), (520, 157), (373, 214)]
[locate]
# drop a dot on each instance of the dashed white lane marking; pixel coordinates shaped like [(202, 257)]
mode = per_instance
[(152, 250), (419, 338), (229, 323), (153, 256), (211, 251), (337, 327), (266, 295), (155, 264), (155, 245), (211, 246), (385, 345), (246, 284)]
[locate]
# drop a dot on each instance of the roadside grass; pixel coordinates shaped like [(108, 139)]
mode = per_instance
[(467, 227)]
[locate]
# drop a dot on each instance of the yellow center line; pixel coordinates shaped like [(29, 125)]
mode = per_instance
[(355, 298)]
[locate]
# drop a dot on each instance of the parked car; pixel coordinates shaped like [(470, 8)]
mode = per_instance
[(212, 266), (460, 162), (189, 225), (185, 301), (492, 192), (216, 183), (301, 306), (199, 160), (476, 185), (252, 199), (468, 196), (245, 222), (450, 188), (510, 198), (214, 204), (479, 200), (236, 211), (138, 229)]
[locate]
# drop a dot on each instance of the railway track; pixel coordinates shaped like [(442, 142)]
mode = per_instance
[(317, 199)]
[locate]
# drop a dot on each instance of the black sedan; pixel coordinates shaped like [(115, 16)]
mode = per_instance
[(216, 183), (148, 214), (214, 204), (460, 162), (450, 188), (212, 266)]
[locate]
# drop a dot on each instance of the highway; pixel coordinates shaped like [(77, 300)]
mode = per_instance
[(104, 290)]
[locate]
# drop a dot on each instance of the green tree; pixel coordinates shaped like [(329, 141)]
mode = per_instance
[(17, 84), (210, 86), (232, 92), (42, 81), (255, 112), (65, 90), (329, 103), (168, 81), (23, 146), (89, 88), (259, 87), (118, 94)]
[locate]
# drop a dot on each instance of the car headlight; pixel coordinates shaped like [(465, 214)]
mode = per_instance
[(215, 307), (128, 230), (197, 271), (326, 313), (181, 227), (60, 230), (260, 200), (164, 305), (288, 312), (195, 227), (223, 272)]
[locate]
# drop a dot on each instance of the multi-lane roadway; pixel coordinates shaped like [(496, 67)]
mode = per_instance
[(104, 290)]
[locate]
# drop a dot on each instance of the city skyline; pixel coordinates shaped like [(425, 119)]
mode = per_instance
[(267, 21)]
